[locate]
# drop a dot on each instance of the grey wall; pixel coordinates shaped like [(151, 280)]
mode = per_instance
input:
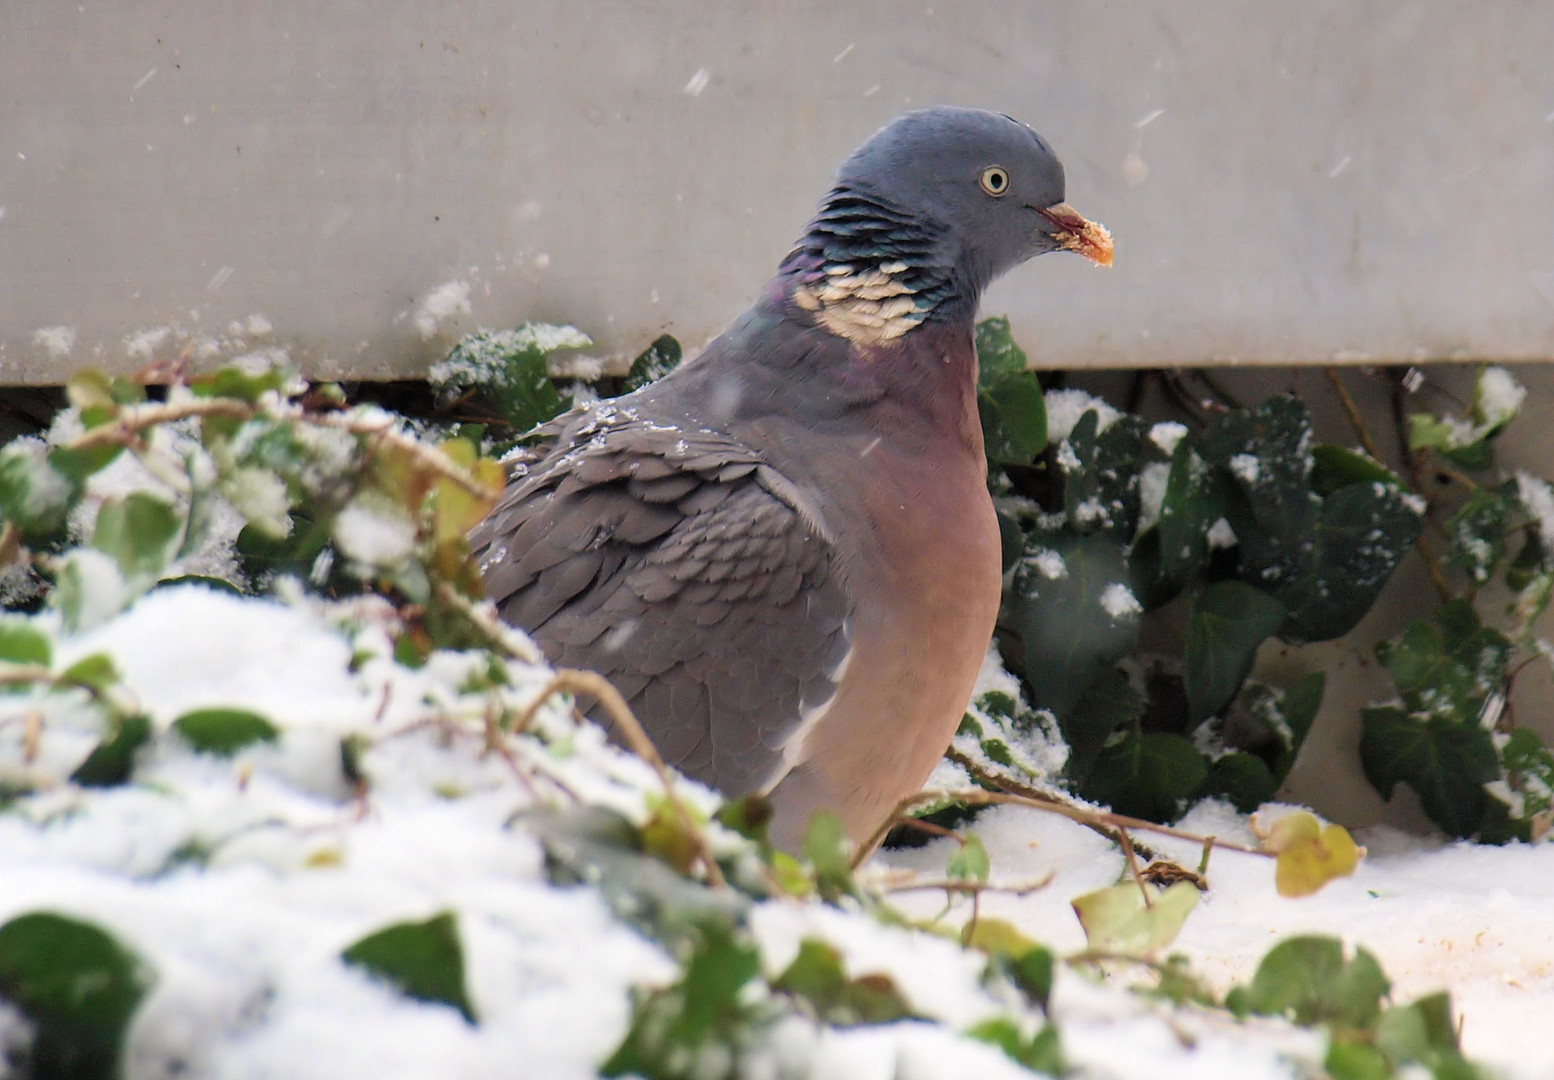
[(1286, 182)]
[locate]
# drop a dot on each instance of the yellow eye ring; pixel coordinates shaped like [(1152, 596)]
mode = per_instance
[(995, 181)]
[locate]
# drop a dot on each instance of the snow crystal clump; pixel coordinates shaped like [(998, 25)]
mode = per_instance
[(1246, 468), (1049, 564), (1221, 535), (1538, 499), (1065, 407), (57, 341), (1119, 602), (1166, 435), (444, 302), (1152, 488), (373, 530), (1499, 397)]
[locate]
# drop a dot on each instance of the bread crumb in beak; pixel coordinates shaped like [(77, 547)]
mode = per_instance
[(1077, 233)]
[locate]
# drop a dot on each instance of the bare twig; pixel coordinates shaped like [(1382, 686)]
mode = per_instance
[(1353, 412), (1133, 868), (577, 681), (484, 618), (955, 885), (10, 544), (133, 419), (382, 430), (1082, 815), (1014, 787)]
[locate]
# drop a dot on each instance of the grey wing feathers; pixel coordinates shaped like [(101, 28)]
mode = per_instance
[(665, 561)]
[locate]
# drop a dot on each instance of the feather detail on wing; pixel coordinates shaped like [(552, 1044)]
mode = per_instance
[(678, 565)]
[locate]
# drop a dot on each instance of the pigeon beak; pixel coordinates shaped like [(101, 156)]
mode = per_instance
[(1075, 232)]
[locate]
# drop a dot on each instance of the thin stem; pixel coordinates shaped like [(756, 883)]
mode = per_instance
[(10, 544), (955, 885), (980, 797), (1353, 412), (1014, 787), (133, 419), (1218, 389), (484, 619), (577, 681)]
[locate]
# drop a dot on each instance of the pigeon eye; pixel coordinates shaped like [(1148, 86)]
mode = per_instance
[(995, 181)]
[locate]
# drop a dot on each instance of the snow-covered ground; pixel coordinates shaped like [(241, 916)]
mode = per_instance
[(240, 880)]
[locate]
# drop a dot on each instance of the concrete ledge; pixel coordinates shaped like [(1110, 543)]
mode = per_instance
[(1287, 183)]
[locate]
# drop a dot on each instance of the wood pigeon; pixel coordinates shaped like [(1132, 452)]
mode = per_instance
[(783, 554)]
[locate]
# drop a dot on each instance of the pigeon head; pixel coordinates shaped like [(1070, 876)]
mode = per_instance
[(926, 214)]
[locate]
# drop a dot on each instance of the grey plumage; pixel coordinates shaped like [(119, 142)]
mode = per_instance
[(783, 554)]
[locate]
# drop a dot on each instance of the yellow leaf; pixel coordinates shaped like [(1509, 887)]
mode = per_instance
[(1117, 920), (999, 938), (1309, 854), (461, 451)]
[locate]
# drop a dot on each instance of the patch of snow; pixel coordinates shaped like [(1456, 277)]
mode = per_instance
[(1153, 478), (1166, 435), (143, 344), (1498, 397), (1221, 535), (1537, 498), (446, 301), (1049, 563), (1246, 468), (1090, 512), (374, 530), (1065, 407), (1118, 601), (57, 341)]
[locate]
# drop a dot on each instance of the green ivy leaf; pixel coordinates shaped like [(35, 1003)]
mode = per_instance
[(34, 496), (970, 861), (1530, 766), (653, 363), (1477, 534), (510, 368), (1100, 475), (1308, 980), (1014, 418), (112, 761), (1068, 634), (817, 978), (79, 465), (262, 554), (96, 672), (1265, 458), (997, 353), (1042, 1052), (1110, 704), (1146, 775), (1241, 779), (827, 849), (1423, 1031), (1448, 668), (224, 732), (1445, 762), (233, 382), (1195, 498), (79, 988), (1229, 621), (1362, 531), (1116, 919), (422, 960), (1335, 467), (23, 643), (140, 531), (700, 1017)]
